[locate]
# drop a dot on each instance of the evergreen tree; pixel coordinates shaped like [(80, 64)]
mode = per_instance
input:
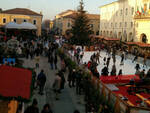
[(81, 28)]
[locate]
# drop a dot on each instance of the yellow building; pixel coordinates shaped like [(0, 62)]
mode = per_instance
[(20, 15), (64, 21), (126, 19)]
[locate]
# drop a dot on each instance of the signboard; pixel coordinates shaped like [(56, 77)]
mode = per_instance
[(9, 61)]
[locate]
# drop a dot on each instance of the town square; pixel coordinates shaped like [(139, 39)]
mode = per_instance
[(75, 56)]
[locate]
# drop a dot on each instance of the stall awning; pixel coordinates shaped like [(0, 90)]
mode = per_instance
[(15, 82), (24, 25), (12, 25)]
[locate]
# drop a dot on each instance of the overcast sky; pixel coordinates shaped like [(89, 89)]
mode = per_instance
[(50, 8)]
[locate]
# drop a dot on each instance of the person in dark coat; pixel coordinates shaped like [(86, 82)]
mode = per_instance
[(78, 82), (33, 108), (70, 77), (105, 71), (73, 77), (137, 67), (62, 84), (51, 60), (55, 60), (46, 109), (120, 72), (122, 58), (41, 81), (108, 61), (148, 74), (113, 71)]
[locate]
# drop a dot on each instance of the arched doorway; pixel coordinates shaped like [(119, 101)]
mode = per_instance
[(107, 33), (111, 34), (125, 36), (130, 37), (119, 35), (103, 33), (144, 38), (115, 34)]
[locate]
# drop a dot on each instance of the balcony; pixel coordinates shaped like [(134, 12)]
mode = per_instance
[(142, 16)]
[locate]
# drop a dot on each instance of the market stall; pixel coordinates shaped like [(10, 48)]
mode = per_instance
[(15, 86)]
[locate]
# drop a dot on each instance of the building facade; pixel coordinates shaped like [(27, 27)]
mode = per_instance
[(20, 15), (64, 21), (126, 19)]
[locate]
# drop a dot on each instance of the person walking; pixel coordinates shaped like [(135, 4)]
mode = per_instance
[(33, 108), (41, 81), (56, 85), (113, 71), (144, 60), (55, 61), (46, 109), (108, 61), (105, 71), (122, 58), (135, 58), (120, 72), (148, 74), (51, 60), (62, 84), (137, 67)]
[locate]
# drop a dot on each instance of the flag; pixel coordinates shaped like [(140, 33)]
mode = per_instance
[(138, 12), (142, 10)]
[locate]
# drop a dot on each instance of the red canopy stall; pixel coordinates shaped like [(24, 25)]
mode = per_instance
[(15, 82)]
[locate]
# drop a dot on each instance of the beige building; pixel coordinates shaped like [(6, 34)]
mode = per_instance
[(64, 21), (128, 20), (20, 15)]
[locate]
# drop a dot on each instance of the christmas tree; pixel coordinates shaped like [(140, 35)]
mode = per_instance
[(81, 29)]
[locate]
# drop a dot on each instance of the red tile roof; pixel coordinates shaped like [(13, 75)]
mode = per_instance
[(90, 16), (22, 11)]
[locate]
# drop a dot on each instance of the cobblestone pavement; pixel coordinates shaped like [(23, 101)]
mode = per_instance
[(68, 102)]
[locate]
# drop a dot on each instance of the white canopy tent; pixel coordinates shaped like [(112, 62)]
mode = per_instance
[(12, 25), (24, 25)]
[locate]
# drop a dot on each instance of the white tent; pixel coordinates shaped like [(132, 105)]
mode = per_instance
[(26, 25), (12, 25)]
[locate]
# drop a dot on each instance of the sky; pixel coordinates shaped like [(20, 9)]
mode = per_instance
[(50, 8)]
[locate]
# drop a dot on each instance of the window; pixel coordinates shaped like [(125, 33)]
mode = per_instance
[(132, 10), (115, 24), (116, 13), (34, 22), (126, 11), (125, 24), (68, 24), (120, 24), (24, 20), (120, 12), (111, 24), (131, 24), (4, 20), (15, 20)]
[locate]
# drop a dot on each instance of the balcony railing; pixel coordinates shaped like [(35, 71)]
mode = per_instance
[(142, 16)]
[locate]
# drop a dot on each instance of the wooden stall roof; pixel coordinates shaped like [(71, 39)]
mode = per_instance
[(140, 44), (111, 39)]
